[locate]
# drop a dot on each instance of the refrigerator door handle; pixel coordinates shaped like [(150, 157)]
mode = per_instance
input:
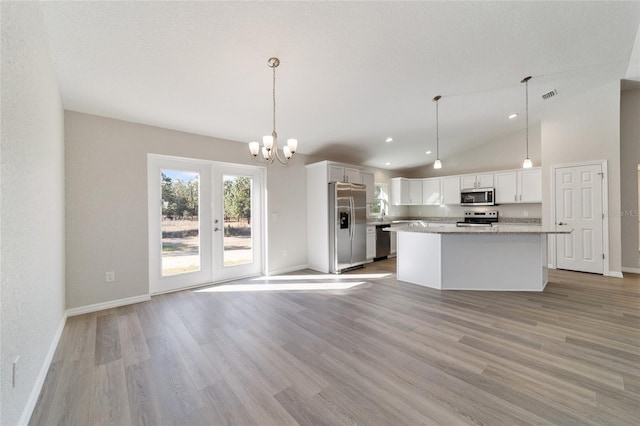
[(352, 202)]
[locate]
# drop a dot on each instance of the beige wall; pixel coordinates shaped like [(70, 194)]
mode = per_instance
[(585, 129), (629, 161), (504, 153), (106, 182), (31, 208)]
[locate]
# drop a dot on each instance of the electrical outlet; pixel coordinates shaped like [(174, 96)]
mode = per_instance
[(525, 214), (285, 253), (109, 276), (14, 372)]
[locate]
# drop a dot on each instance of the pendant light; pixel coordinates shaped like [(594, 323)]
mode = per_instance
[(437, 164), (270, 143), (527, 164)]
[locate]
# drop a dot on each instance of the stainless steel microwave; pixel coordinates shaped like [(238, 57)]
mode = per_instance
[(477, 197)]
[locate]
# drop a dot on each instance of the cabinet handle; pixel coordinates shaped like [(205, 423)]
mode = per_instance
[(515, 198), (520, 197)]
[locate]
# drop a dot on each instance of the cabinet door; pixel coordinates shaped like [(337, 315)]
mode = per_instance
[(368, 180), (506, 188), (467, 182), (415, 191), (371, 242), (485, 181), (450, 187), (530, 186), (396, 191), (336, 174), (352, 175), (431, 191)]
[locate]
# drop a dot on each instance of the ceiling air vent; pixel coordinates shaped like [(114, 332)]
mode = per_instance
[(547, 95)]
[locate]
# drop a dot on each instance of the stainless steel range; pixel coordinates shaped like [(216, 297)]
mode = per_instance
[(472, 218)]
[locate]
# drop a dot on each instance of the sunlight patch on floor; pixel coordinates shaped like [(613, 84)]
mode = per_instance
[(281, 287), (351, 276)]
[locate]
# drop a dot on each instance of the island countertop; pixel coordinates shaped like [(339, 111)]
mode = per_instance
[(499, 229)]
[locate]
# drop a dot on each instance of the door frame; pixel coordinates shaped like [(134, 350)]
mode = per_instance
[(153, 161), (605, 209)]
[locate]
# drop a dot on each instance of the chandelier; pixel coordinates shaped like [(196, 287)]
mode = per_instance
[(269, 147)]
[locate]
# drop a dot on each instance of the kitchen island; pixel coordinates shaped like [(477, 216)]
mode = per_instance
[(500, 258)]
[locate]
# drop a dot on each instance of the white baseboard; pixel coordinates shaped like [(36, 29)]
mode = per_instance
[(107, 305), (42, 375), (631, 270), (551, 266), (286, 270), (614, 274)]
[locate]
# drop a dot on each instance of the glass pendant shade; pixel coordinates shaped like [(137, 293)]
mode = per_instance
[(287, 152), (254, 148), (265, 153), (527, 164), (292, 144), (437, 164), (267, 141)]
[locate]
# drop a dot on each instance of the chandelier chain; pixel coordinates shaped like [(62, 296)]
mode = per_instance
[(274, 99)]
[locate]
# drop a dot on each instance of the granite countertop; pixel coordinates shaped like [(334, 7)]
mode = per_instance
[(508, 229), (503, 220)]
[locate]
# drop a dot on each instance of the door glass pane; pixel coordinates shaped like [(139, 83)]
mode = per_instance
[(180, 224), (238, 241)]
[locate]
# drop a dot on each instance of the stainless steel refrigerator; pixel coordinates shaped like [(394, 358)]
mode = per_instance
[(347, 226)]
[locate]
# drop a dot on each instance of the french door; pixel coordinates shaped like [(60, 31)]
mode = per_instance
[(579, 204), (205, 222)]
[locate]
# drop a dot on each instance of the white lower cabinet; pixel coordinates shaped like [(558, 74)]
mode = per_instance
[(371, 242)]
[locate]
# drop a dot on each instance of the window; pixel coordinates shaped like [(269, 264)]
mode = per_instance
[(380, 206)]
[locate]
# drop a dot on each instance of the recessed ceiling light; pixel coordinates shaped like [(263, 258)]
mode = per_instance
[(428, 152), (387, 140), (388, 163), (512, 116)]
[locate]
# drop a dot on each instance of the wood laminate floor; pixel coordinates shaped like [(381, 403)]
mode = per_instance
[(382, 352)]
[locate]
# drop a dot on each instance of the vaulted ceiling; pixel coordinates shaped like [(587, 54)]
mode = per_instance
[(351, 74)]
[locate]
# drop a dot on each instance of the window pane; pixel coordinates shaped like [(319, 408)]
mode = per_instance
[(180, 224), (238, 241)]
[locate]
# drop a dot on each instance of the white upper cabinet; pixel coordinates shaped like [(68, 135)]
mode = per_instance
[(506, 187), (369, 180), (476, 181), (519, 186), (450, 189), (530, 186), (340, 173), (431, 191), (406, 191)]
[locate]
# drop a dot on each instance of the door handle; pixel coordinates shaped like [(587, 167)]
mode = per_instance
[(216, 229), (561, 223)]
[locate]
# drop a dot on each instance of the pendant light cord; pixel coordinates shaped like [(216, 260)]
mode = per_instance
[(526, 86), (437, 133)]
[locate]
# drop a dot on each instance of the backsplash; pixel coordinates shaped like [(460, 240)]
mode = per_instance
[(521, 212)]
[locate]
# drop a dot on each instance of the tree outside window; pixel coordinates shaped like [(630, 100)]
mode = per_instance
[(380, 206)]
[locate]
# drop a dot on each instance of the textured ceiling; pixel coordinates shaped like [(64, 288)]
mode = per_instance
[(351, 73)]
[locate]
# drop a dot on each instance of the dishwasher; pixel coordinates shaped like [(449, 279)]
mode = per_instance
[(383, 241)]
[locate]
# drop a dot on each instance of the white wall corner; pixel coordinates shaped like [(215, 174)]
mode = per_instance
[(42, 375), (107, 305), (286, 270)]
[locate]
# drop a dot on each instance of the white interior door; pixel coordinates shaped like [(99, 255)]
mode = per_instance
[(578, 196), (237, 221), (179, 197)]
